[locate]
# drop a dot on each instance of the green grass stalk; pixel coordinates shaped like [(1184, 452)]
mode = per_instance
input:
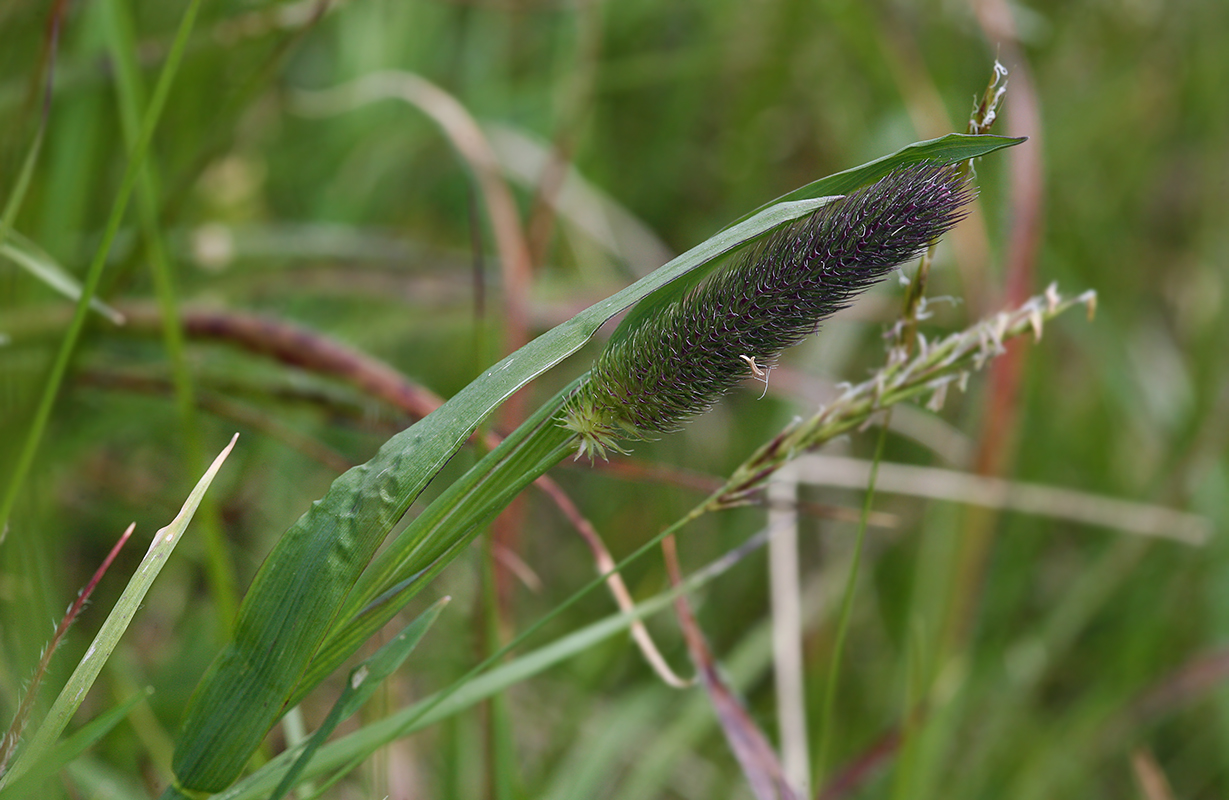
[(122, 47), (59, 367), (846, 614)]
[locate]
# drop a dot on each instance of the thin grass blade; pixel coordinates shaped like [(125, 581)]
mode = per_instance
[(117, 28), (364, 680), (59, 368), (38, 262), (113, 628), (35, 778), (18, 195)]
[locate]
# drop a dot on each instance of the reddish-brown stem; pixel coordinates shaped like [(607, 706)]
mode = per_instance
[(9, 744), (750, 746)]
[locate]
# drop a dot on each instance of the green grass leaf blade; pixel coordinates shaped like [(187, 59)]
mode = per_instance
[(66, 752), (68, 345), (346, 639), (438, 535), (38, 262), (18, 195), (843, 620), (117, 621), (364, 680), (122, 45), (949, 149)]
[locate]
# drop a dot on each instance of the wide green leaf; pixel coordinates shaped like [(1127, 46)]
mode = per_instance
[(439, 534)]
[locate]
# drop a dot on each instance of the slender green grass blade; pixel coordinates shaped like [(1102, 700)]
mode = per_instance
[(18, 195), (364, 680), (949, 149), (64, 753), (842, 625), (431, 710), (905, 776), (7, 218), (122, 45), (502, 762), (68, 345), (348, 638), (438, 535), (38, 262), (113, 628)]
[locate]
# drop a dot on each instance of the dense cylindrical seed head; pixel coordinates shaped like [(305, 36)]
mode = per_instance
[(773, 295)]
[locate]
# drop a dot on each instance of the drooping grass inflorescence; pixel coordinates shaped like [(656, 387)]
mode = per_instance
[(680, 361)]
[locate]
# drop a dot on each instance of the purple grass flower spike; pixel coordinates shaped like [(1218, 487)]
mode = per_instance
[(770, 297)]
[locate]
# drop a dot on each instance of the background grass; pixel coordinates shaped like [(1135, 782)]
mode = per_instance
[(1049, 651)]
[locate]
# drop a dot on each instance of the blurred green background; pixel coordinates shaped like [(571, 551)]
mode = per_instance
[(1057, 659)]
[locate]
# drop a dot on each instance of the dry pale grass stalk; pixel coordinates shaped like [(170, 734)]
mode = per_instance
[(997, 493), (1148, 774), (786, 595)]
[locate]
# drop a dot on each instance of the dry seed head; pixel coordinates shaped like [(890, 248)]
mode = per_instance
[(773, 295)]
